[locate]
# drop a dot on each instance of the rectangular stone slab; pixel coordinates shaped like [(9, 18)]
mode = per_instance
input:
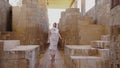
[(100, 44), (10, 44), (29, 53), (85, 62), (78, 50), (105, 37)]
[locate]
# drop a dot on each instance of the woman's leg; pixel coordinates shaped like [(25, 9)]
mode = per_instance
[(52, 54)]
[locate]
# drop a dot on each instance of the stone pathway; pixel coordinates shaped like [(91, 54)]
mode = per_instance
[(45, 61)]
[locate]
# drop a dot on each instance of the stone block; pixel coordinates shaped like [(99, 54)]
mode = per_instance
[(105, 37), (88, 33), (78, 50), (100, 44), (27, 54), (10, 44), (85, 62)]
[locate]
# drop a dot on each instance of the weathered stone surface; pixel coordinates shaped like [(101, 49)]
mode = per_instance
[(1, 53), (115, 16), (12, 55), (100, 44), (22, 63), (73, 26), (27, 54), (105, 37), (115, 46), (82, 51), (88, 33), (5, 35), (30, 23), (6, 45), (115, 37), (78, 50), (101, 13), (105, 55), (85, 62)]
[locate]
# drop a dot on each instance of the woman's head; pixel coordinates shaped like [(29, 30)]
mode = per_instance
[(55, 24)]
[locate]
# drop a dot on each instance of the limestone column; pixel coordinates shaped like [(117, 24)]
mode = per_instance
[(83, 7), (115, 47), (75, 3)]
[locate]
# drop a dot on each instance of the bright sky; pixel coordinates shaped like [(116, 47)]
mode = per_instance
[(89, 4), (54, 14), (15, 2)]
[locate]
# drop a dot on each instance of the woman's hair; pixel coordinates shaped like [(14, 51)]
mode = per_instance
[(55, 24)]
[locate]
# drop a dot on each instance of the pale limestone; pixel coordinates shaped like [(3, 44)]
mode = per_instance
[(100, 44), (85, 62)]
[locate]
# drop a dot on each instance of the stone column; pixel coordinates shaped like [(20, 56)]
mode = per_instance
[(83, 7), (115, 46), (75, 4)]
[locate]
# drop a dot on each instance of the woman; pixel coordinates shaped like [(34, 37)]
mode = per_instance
[(53, 38), (52, 57)]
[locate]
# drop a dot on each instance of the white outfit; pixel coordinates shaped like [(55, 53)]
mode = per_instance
[(54, 38)]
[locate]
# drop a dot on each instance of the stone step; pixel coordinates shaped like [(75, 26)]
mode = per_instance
[(6, 45), (100, 44), (105, 37), (86, 62), (80, 50), (27, 54), (104, 53), (86, 51), (9, 44)]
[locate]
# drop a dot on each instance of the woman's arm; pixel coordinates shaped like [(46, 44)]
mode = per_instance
[(60, 36)]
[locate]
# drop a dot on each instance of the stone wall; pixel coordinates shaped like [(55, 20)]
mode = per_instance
[(115, 16), (115, 37), (101, 13), (30, 23), (115, 47), (76, 29)]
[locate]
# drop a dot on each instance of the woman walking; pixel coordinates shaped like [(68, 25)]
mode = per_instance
[(53, 38), (52, 58)]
